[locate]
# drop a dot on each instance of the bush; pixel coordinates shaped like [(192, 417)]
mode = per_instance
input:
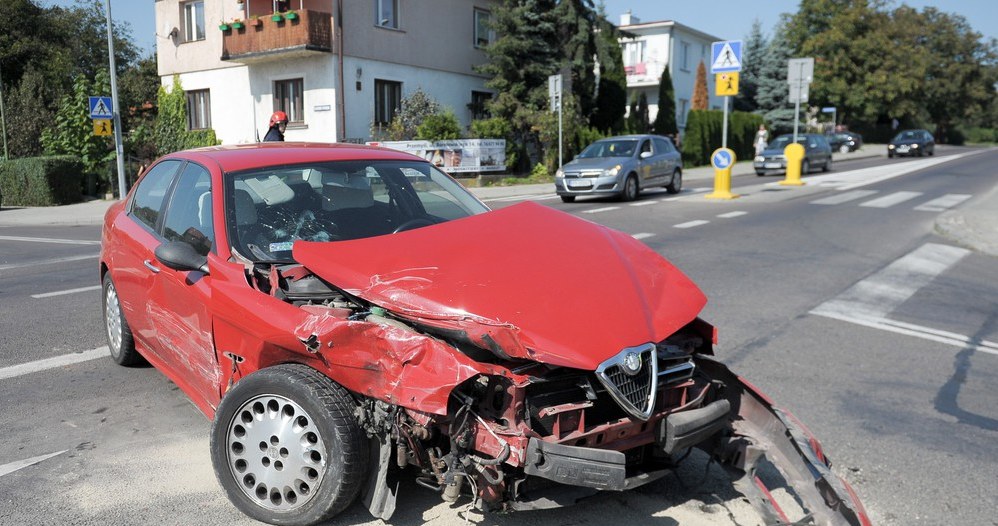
[(42, 181), (980, 135), (703, 135), (439, 127)]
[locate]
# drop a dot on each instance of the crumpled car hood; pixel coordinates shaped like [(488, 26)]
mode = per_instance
[(545, 285)]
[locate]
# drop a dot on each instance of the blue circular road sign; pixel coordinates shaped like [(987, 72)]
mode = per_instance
[(722, 158)]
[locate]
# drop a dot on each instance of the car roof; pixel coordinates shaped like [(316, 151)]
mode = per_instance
[(249, 156), (633, 137)]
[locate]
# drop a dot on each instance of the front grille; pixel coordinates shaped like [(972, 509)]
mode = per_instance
[(584, 173), (634, 392)]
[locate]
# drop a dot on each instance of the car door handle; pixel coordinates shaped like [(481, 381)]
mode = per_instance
[(149, 265)]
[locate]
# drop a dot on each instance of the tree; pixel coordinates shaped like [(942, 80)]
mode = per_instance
[(700, 98), (439, 127), (72, 131), (414, 108), (665, 119), (575, 21), (772, 95), (637, 115), (27, 114), (611, 96), (171, 133), (753, 55)]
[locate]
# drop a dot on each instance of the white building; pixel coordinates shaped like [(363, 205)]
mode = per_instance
[(657, 45), (334, 66)]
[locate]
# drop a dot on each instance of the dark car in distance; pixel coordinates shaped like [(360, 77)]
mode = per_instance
[(912, 142), (817, 152), (845, 142)]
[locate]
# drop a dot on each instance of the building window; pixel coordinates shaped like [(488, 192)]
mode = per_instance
[(681, 111), (289, 97), (387, 100), (193, 21), (198, 109), (685, 57), (634, 53), (387, 12), (479, 104), (483, 31)]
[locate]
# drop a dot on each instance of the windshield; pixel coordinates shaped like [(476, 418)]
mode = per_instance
[(621, 148), (782, 141), (907, 135), (268, 209)]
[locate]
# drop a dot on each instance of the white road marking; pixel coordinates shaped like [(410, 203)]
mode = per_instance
[(643, 235), (890, 200), (49, 240), (925, 333), (523, 197), (730, 215), (837, 199), (875, 174), (7, 469), (14, 371), (643, 203), (699, 190), (943, 203), (49, 261), (691, 224), (876, 296), (673, 198), (598, 210), (64, 292)]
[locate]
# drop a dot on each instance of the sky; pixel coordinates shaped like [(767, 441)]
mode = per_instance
[(732, 20), (726, 19)]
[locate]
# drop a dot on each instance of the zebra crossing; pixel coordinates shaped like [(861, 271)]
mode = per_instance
[(863, 198)]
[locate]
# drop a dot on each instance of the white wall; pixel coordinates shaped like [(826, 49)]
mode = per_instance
[(318, 76)]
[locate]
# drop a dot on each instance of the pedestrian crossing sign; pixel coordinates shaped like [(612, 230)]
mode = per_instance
[(102, 127), (100, 108), (726, 84), (726, 56)]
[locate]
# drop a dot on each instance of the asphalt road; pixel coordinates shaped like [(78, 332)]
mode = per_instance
[(851, 313)]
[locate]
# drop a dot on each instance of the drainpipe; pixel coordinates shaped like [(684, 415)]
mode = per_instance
[(341, 102)]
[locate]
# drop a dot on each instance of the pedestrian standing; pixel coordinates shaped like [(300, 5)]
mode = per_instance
[(278, 123), (761, 139)]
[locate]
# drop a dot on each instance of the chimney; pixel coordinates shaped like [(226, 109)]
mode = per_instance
[(628, 19)]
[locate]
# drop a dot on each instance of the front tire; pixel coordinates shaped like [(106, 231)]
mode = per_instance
[(805, 167), (676, 185), (844, 148), (120, 341), (568, 199), (828, 164), (287, 448), (630, 191)]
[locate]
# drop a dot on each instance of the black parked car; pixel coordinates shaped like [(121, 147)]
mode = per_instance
[(845, 142), (912, 142), (817, 152)]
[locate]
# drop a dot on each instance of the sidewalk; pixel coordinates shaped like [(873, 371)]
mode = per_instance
[(975, 225)]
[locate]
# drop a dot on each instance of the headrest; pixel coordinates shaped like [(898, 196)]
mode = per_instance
[(270, 188), (343, 190), (245, 208)]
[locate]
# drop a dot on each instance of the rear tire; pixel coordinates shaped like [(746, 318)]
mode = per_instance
[(568, 199), (676, 185), (120, 341), (844, 148), (828, 164), (805, 167), (286, 447)]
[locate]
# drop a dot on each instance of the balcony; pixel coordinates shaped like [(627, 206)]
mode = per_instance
[(263, 40)]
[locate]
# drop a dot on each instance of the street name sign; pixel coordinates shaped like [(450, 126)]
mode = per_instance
[(554, 91), (100, 108), (726, 56), (800, 69)]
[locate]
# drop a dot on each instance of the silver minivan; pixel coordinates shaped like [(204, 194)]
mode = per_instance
[(621, 166)]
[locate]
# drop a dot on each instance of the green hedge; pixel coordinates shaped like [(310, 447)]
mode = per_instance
[(41, 181), (703, 135)]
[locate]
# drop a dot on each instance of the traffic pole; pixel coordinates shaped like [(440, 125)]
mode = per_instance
[(724, 127), (118, 146)]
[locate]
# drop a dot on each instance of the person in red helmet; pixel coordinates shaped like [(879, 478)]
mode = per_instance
[(278, 123)]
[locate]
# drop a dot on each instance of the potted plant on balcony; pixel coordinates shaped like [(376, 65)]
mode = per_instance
[(224, 26), (238, 24), (254, 21), (291, 15), (277, 17)]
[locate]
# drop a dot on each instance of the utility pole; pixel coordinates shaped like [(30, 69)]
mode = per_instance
[(115, 107)]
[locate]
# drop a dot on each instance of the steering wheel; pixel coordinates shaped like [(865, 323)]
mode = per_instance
[(412, 223)]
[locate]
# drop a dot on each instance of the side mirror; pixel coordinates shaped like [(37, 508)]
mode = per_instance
[(645, 155), (178, 255)]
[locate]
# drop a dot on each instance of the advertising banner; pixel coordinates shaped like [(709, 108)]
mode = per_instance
[(457, 156)]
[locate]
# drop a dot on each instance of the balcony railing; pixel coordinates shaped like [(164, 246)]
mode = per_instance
[(263, 39)]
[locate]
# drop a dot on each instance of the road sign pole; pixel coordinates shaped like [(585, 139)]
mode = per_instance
[(118, 147), (561, 142), (724, 127), (800, 83)]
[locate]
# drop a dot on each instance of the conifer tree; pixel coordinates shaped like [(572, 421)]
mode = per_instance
[(665, 120), (753, 55), (700, 97)]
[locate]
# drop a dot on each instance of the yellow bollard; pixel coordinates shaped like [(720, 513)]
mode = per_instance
[(794, 154), (722, 159)]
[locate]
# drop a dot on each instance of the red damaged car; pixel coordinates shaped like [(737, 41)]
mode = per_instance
[(346, 314)]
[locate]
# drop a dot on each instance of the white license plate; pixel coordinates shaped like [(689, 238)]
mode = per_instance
[(903, 148), (579, 184), (772, 165)]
